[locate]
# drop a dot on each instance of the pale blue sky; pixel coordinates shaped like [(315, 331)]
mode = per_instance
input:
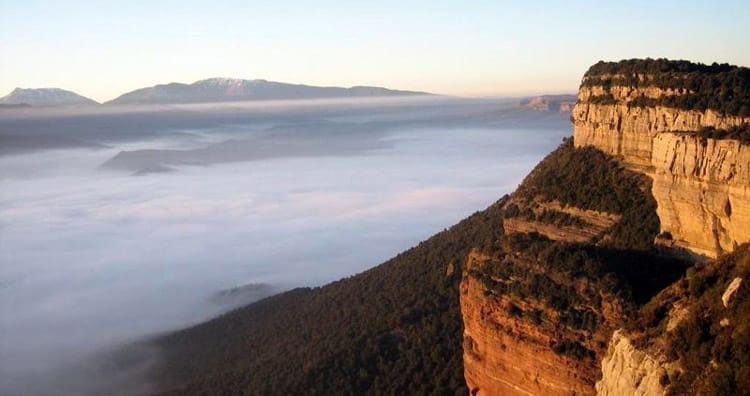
[(103, 48)]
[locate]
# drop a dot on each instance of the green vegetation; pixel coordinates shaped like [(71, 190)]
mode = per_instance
[(701, 338), (574, 278), (657, 66), (589, 179), (546, 216), (721, 87), (741, 133), (560, 219), (394, 329), (604, 99), (573, 349)]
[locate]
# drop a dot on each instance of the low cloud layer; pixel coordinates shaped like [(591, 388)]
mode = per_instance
[(92, 258)]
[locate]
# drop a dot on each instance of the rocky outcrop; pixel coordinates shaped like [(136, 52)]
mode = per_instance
[(540, 308), (585, 224), (505, 355), (702, 186), (573, 299), (731, 290), (546, 103), (627, 370)]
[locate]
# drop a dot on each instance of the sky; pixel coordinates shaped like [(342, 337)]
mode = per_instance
[(467, 48)]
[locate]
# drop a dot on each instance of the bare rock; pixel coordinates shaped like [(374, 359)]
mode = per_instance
[(726, 298)]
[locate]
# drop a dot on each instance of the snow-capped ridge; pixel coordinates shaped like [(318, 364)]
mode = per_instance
[(45, 97), (224, 89)]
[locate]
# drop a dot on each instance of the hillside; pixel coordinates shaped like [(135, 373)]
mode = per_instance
[(229, 89), (44, 97), (395, 329), (619, 266)]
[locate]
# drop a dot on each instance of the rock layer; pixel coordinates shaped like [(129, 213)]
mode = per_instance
[(702, 186), (702, 189), (507, 356)]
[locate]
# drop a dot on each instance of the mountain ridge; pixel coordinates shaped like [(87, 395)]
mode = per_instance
[(223, 89), (207, 90), (45, 97)]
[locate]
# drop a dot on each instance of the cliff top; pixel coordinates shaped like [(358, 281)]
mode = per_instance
[(695, 86), (656, 66)]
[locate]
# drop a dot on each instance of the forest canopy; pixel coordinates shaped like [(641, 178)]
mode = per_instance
[(721, 87)]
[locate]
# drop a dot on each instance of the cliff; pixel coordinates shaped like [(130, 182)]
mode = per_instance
[(702, 188), (540, 309), (689, 339), (520, 346), (586, 292), (701, 185)]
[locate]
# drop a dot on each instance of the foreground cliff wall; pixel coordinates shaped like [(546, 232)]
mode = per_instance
[(701, 185), (575, 298), (509, 343), (572, 262)]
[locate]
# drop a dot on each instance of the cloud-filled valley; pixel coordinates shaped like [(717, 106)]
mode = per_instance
[(92, 257)]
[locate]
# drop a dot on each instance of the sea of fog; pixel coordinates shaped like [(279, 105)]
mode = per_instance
[(119, 223)]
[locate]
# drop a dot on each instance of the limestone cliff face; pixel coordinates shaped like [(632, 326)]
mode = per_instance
[(703, 192), (573, 299), (626, 370), (629, 131), (702, 186)]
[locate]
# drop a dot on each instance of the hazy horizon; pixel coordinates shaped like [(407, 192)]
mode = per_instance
[(509, 96), (488, 49)]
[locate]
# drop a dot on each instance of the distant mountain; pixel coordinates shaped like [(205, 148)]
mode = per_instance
[(561, 103), (45, 97), (228, 89)]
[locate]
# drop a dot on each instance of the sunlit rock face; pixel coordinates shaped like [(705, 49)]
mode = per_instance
[(515, 339), (702, 186), (505, 355), (703, 192), (626, 370)]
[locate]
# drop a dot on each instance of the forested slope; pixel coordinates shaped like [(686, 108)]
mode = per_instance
[(394, 329)]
